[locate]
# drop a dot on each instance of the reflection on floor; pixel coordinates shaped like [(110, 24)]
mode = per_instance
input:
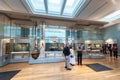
[(56, 71)]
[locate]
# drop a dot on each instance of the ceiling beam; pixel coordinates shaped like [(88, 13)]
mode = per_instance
[(53, 20), (63, 7), (46, 6)]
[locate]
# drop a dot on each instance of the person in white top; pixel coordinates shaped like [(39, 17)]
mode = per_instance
[(72, 56)]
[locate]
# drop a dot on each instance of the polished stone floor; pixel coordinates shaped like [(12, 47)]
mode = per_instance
[(56, 71)]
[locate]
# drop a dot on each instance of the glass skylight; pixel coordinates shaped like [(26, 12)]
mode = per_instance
[(36, 6), (111, 17), (72, 7), (54, 6), (61, 8)]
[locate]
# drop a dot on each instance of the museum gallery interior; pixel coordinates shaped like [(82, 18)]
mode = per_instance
[(33, 34)]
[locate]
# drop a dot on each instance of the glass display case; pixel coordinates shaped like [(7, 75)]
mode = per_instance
[(4, 40), (20, 50), (18, 47), (93, 48), (54, 46)]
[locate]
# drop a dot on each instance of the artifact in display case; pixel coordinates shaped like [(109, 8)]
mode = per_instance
[(54, 46), (7, 48), (35, 52), (89, 48), (94, 48), (20, 47), (20, 51), (97, 46)]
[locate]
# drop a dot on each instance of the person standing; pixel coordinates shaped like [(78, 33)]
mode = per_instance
[(79, 54), (72, 56), (104, 49), (110, 50), (115, 51), (66, 52)]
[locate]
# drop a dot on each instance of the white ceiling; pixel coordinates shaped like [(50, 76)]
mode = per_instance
[(92, 10)]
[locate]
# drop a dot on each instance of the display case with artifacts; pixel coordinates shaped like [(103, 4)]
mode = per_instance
[(54, 49), (18, 47), (94, 46), (4, 51), (20, 52), (54, 46)]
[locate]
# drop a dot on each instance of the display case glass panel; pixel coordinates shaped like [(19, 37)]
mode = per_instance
[(54, 46), (20, 47)]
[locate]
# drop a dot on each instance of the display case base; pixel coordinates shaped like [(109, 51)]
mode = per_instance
[(46, 60)]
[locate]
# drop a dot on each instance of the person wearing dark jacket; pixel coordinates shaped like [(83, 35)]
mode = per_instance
[(115, 51), (79, 55), (66, 52), (110, 50)]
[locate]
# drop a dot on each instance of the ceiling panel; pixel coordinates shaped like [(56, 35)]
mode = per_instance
[(3, 6), (108, 8), (101, 12), (16, 5), (97, 9), (89, 9)]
